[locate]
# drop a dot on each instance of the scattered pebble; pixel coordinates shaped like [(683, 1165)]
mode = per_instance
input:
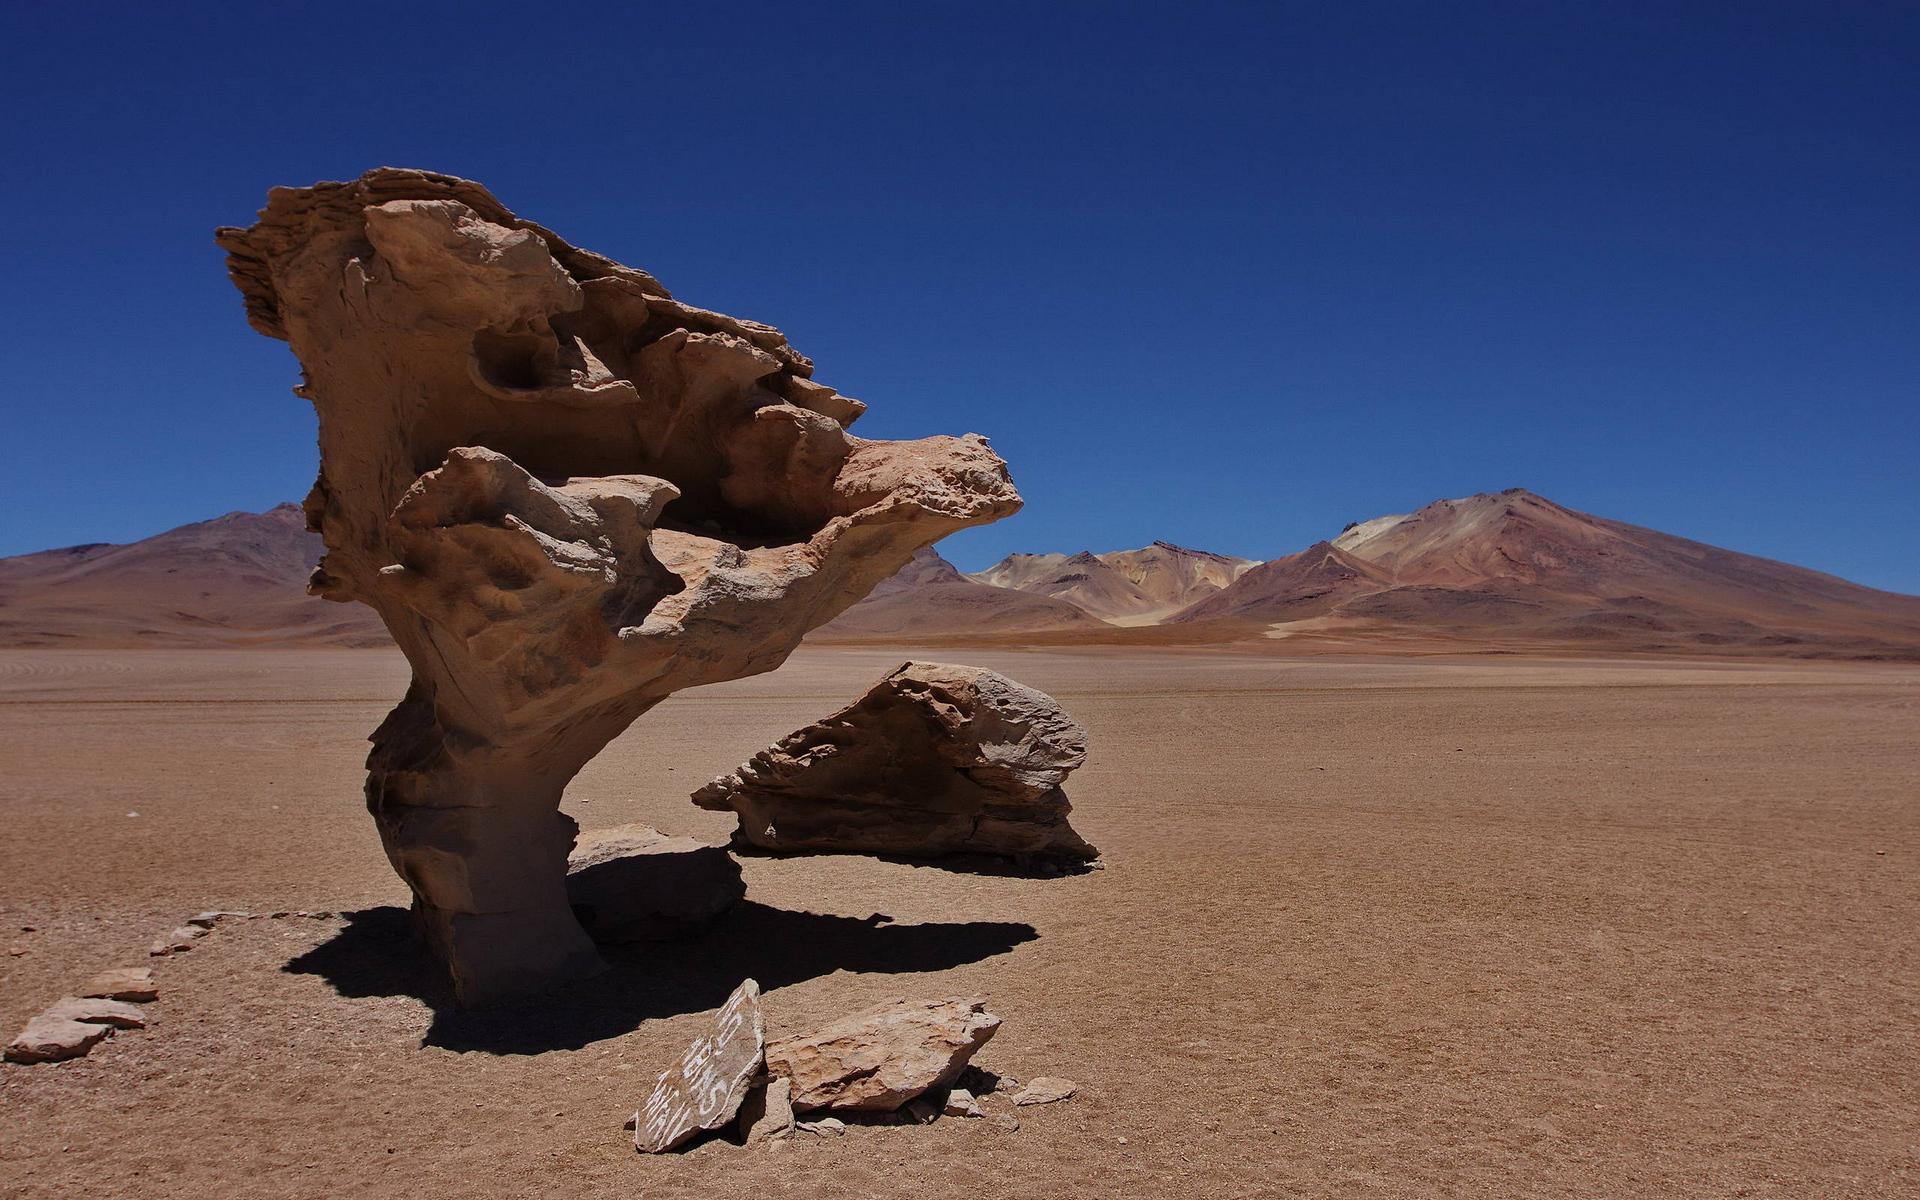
[(207, 920), (177, 940), (1046, 1090), (961, 1103)]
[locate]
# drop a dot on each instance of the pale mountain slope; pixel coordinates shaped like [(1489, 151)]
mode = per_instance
[(1126, 587), (929, 597), (233, 581)]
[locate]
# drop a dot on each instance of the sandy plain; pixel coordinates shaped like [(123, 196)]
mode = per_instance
[(1370, 928)]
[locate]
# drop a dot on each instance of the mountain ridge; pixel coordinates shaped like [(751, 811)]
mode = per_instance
[(1124, 587), (1512, 564), (1493, 571)]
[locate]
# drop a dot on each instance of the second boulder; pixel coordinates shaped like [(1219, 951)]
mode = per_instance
[(935, 759)]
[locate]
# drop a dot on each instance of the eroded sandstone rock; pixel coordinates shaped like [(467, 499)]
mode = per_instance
[(635, 884), (97, 1010), (123, 983), (934, 759), (959, 1102), (71, 1027), (878, 1060), (1046, 1090), (568, 495), (767, 1111), (51, 1039), (177, 940)]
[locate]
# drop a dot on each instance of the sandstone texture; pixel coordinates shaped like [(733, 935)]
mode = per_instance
[(878, 1060), (1045, 1090), (71, 1027), (568, 495), (635, 884), (50, 1039), (176, 940), (935, 759), (95, 1010), (705, 1088), (123, 983), (768, 1111), (959, 1102)]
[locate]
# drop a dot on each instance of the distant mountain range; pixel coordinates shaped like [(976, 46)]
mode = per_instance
[(237, 580), (1507, 571)]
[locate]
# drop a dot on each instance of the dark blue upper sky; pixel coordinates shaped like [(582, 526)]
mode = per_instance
[(1231, 275)]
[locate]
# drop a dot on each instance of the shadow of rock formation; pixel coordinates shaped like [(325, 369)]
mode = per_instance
[(997, 866), (377, 954)]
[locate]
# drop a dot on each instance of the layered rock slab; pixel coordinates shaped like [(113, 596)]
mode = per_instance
[(568, 495), (51, 1039), (123, 983), (936, 759), (705, 1088), (878, 1060), (71, 1027)]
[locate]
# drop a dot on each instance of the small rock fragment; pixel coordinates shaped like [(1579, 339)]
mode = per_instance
[(94, 1010), (825, 1126), (123, 983), (921, 1111), (50, 1039), (961, 1103), (1005, 1122), (705, 1088), (878, 1060), (1046, 1090), (767, 1111), (207, 920), (173, 941)]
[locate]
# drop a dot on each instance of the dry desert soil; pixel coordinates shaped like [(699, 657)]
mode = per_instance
[(1369, 928)]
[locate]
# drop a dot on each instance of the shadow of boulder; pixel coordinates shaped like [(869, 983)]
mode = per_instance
[(377, 955)]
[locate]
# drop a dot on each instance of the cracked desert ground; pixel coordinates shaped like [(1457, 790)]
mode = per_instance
[(1369, 928)]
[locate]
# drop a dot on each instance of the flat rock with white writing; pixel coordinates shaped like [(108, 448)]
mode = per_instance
[(705, 1088)]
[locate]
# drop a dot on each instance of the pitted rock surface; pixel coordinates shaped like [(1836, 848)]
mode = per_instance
[(878, 1060), (568, 495), (935, 759)]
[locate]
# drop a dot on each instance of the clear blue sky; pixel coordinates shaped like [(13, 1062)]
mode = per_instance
[(1231, 275)]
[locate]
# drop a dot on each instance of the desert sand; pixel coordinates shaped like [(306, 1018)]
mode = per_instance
[(1369, 927)]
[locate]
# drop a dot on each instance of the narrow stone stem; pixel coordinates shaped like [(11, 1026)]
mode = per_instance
[(476, 832)]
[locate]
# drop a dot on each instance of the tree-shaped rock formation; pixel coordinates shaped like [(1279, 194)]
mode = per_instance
[(568, 495)]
